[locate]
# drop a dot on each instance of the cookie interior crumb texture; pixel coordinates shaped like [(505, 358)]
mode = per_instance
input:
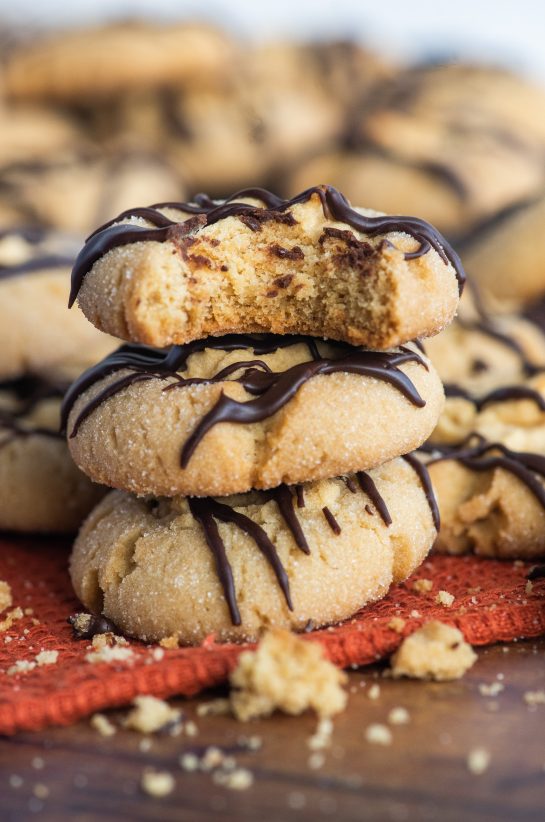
[(6, 600), (289, 271), (434, 651), (289, 674)]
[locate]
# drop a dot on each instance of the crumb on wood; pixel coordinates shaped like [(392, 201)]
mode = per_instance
[(102, 724), (478, 761), (378, 734), (151, 714), (434, 651), (286, 673), (157, 783)]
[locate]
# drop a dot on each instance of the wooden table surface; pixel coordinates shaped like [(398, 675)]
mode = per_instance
[(422, 775)]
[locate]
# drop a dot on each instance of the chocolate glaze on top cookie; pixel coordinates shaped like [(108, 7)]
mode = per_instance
[(206, 211), (272, 390)]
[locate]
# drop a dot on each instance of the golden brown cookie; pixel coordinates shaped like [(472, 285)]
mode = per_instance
[(233, 566), (257, 263), (224, 415), (114, 58), (491, 500), (37, 332), (40, 487)]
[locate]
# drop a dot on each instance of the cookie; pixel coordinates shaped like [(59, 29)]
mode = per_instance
[(506, 256), (512, 414), (477, 355), (227, 414), (30, 134), (491, 500), (465, 140), (73, 191), (37, 332), (40, 487), (233, 566), (112, 59), (257, 263)]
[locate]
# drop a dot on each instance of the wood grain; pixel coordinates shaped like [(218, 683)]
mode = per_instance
[(422, 775)]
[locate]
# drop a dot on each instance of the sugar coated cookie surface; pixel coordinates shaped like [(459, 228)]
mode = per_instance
[(233, 566), (228, 414)]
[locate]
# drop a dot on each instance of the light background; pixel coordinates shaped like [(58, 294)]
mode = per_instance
[(507, 31)]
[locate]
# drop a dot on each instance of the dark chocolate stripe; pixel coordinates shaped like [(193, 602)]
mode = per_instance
[(506, 394), (368, 487), (271, 390), (331, 521), (334, 204), (424, 477), (283, 497)]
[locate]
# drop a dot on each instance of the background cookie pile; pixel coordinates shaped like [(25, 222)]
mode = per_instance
[(261, 475)]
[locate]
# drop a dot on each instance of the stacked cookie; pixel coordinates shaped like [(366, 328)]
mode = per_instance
[(254, 424)]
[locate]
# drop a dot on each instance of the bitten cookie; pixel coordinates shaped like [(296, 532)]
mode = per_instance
[(40, 487), (227, 414), (233, 566), (257, 263), (37, 332), (491, 500)]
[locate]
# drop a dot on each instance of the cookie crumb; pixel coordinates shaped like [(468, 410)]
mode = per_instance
[(492, 689), (170, 642), (444, 598), (157, 783), (422, 586), (398, 716), (21, 666), (378, 734), (189, 762), (434, 651), (478, 761), (116, 653), (396, 624), (47, 658), (534, 697), (151, 714), (415, 614), (238, 780), (40, 790), (103, 725), (321, 738), (6, 599), (217, 707), (529, 587), (11, 617), (286, 673), (374, 691), (316, 761)]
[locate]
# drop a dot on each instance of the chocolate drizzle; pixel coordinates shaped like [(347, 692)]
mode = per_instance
[(271, 390), (483, 456), (368, 487), (506, 394), (425, 480), (39, 259), (334, 204), (29, 391), (331, 521)]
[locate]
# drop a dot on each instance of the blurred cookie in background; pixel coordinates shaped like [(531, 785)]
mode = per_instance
[(41, 489), (37, 331), (96, 63), (506, 256), (76, 192), (455, 143)]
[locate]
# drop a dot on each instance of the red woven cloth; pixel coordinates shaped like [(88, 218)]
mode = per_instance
[(491, 604)]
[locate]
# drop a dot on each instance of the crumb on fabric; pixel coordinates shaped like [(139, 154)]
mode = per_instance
[(151, 714), (170, 642), (157, 783), (107, 639), (6, 599), (422, 586), (11, 617), (415, 614), (21, 666), (396, 624), (286, 673), (478, 761), (47, 658), (103, 725), (378, 734), (434, 651), (444, 598), (107, 653)]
